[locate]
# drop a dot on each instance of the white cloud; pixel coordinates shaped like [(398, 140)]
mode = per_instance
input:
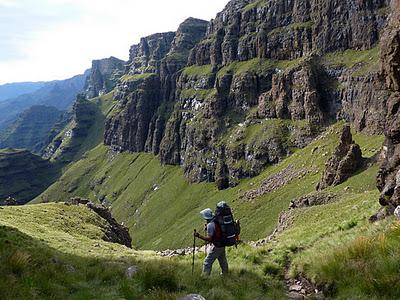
[(65, 35)]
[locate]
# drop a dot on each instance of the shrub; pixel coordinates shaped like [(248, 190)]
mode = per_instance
[(164, 279)]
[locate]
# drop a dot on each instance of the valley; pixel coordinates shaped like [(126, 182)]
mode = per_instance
[(288, 111)]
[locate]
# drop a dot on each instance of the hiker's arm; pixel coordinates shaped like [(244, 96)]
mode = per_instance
[(204, 238)]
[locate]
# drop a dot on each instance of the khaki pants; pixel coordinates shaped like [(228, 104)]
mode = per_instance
[(213, 254)]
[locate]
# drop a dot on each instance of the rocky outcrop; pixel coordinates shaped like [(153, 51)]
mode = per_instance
[(146, 93), (146, 56), (114, 232), (363, 101), (103, 76), (298, 95), (388, 180), (313, 199), (345, 161), (138, 101)]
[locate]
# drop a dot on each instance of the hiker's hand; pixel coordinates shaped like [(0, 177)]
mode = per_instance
[(196, 234)]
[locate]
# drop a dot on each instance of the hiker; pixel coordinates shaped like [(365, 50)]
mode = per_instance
[(222, 231)]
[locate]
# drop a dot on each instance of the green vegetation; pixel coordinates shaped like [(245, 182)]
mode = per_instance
[(64, 256), (252, 5), (178, 56), (24, 175), (200, 93), (197, 70), (136, 77), (139, 187), (257, 65), (384, 11), (318, 241), (10, 150), (89, 122), (368, 265), (209, 39), (31, 129), (367, 61), (291, 27)]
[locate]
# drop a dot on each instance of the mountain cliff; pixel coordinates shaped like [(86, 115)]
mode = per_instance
[(146, 93), (389, 174), (305, 62), (279, 108), (103, 76)]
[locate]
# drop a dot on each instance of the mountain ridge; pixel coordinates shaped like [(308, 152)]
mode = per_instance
[(259, 107)]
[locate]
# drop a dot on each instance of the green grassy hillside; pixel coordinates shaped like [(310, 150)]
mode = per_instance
[(31, 128), (87, 127), (64, 257), (24, 175), (139, 188)]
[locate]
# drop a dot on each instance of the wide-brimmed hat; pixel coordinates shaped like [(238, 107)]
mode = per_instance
[(207, 214)]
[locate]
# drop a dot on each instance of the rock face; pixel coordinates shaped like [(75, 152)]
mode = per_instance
[(345, 161), (313, 199), (103, 76), (286, 30), (297, 95), (147, 91), (388, 180), (227, 99)]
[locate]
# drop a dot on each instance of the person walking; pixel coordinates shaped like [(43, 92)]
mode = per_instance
[(216, 251)]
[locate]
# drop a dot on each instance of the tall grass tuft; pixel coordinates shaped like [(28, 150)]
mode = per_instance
[(367, 268), (19, 261)]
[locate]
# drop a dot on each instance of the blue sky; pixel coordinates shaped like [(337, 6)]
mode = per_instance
[(56, 39)]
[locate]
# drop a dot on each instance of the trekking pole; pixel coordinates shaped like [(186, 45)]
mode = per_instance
[(194, 250)]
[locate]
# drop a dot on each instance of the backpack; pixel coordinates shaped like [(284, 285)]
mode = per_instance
[(227, 230)]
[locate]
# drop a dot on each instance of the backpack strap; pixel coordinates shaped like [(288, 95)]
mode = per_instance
[(216, 239)]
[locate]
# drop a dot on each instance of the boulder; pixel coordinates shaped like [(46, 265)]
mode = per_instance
[(131, 271), (397, 212)]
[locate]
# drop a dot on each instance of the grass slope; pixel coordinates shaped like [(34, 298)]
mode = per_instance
[(64, 257), (139, 188), (331, 244), (89, 121)]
